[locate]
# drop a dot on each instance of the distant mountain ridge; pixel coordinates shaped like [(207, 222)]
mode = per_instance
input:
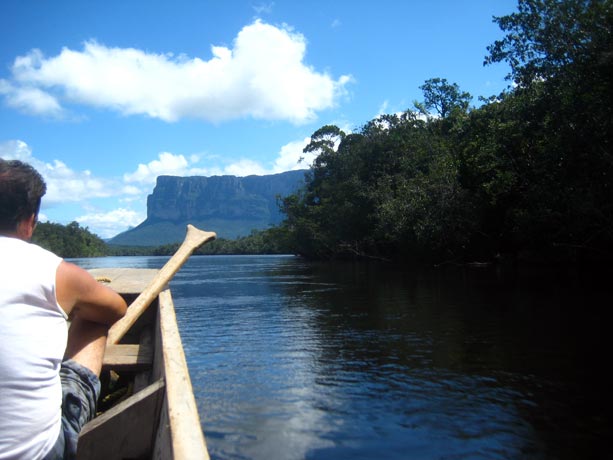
[(231, 206)]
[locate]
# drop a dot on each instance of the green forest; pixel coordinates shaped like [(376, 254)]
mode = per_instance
[(69, 240), (73, 241), (522, 175)]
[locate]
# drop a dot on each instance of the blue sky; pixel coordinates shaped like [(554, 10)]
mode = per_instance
[(102, 97)]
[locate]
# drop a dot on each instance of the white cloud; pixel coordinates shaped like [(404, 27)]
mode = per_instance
[(167, 164), (291, 156), (63, 184), (67, 188), (262, 76), (30, 100), (15, 150), (109, 224), (245, 167), (264, 8), (131, 191)]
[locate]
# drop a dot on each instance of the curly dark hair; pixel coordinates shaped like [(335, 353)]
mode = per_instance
[(21, 189)]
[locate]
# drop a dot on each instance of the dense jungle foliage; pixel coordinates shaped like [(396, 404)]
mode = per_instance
[(271, 241), (73, 241), (69, 240), (526, 174)]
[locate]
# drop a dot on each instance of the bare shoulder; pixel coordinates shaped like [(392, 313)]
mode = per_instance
[(69, 270), (71, 282), (77, 290)]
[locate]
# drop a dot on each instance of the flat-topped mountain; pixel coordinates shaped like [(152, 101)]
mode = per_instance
[(231, 206)]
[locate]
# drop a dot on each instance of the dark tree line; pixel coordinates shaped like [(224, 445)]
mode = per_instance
[(69, 240), (271, 241), (526, 174)]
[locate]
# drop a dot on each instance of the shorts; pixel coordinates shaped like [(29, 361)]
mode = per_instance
[(80, 392)]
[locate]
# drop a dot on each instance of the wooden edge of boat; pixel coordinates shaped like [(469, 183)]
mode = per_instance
[(157, 418)]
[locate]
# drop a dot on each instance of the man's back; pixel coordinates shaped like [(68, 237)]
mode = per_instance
[(46, 368), (33, 334)]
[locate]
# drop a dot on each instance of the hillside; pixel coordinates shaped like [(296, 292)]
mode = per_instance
[(231, 206)]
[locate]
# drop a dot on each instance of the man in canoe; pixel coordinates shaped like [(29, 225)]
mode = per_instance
[(48, 372)]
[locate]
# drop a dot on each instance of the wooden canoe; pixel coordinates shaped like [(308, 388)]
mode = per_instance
[(156, 416)]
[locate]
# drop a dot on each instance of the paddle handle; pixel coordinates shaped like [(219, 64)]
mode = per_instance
[(194, 238)]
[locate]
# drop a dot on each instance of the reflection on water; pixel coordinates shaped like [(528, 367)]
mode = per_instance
[(293, 360), (121, 262)]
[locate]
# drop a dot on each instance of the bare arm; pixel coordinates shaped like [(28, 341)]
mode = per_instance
[(79, 294)]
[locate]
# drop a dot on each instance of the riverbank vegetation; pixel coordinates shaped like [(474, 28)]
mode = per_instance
[(526, 174), (73, 241), (69, 240), (271, 241)]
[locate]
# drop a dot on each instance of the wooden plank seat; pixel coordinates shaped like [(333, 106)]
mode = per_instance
[(131, 357)]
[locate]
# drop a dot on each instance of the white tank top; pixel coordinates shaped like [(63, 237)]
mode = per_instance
[(33, 335)]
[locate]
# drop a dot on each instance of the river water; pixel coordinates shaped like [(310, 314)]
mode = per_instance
[(297, 360)]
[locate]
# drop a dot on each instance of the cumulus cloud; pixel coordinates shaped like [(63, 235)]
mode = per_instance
[(263, 76), (291, 156), (67, 188), (109, 224), (245, 167), (63, 184), (30, 100), (166, 164), (178, 165), (15, 150)]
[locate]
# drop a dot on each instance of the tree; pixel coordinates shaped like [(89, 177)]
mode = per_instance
[(71, 240), (443, 97), (324, 142), (547, 37), (561, 58)]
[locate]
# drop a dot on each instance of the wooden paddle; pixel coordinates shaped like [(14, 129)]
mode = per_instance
[(194, 238)]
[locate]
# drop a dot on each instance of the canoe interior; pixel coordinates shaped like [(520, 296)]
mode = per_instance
[(147, 408)]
